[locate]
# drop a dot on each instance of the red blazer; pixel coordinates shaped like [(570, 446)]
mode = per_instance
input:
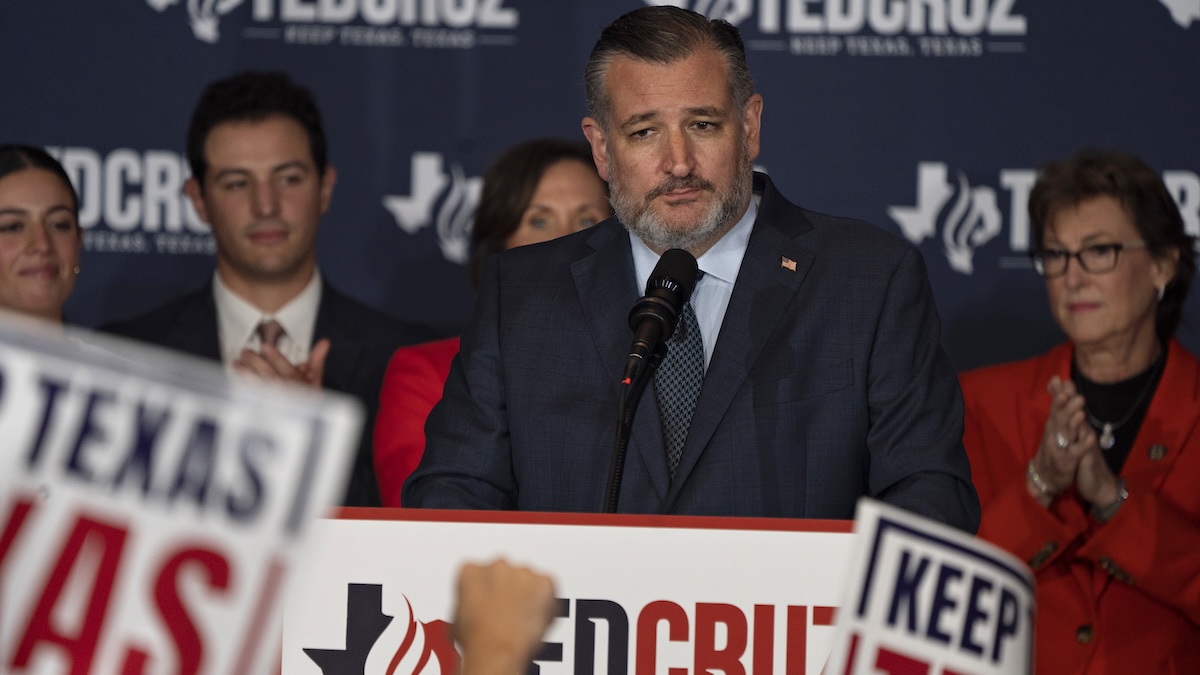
[(1122, 597), (412, 385)]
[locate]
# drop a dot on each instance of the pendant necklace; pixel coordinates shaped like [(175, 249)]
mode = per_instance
[(1106, 429)]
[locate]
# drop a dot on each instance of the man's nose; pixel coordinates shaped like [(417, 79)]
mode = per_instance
[(680, 159), (266, 200)]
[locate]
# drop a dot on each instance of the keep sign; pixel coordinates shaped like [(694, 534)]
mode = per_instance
[(925, 599), (152, 507)]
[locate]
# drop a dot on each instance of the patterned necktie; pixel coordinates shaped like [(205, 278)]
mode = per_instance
[(269, 333), (677, 384)]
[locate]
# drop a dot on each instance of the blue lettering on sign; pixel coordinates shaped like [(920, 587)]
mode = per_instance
[(149, 426), (51, 389), (86, 443), (983, 615)]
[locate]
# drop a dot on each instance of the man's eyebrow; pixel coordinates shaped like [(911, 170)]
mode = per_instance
[(293, 164), (701, 111), (239, 171), (638, 118), (233, 171)]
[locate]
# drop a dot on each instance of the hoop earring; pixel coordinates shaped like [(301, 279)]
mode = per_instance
[(77, 274), (1162, 290)]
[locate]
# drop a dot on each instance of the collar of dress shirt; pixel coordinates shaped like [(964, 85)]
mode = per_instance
[(237, 321), (720, 265)]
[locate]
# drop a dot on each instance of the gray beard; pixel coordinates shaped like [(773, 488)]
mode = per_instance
[(636, 216)]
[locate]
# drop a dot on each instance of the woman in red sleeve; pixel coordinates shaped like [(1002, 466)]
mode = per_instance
[(537, 191), (1087, 458)]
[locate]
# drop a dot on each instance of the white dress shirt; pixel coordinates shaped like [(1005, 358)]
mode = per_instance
[(720, 265), (237, 321)]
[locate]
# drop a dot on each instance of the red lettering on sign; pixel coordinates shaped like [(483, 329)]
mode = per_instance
[(707, 656), (80, 645), (797, 640), (12, 527), (763, 661), (215, 571), (895, 663), (645, 661), (262, 612)]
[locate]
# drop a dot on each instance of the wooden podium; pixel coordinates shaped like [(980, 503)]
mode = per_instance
[(638, 594)]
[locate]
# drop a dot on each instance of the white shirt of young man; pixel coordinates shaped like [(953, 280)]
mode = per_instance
[(238, 320), (720, 265)]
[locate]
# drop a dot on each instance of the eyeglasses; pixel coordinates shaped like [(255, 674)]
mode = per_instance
[(1094, 259)]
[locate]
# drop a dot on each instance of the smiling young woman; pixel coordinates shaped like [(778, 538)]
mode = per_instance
[(40, 239)]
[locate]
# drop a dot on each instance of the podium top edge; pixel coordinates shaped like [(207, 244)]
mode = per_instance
[(595, 519)]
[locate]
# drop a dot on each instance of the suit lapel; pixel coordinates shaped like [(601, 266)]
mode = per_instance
[(195, 330), (607, 290), (766, 285), (337, 325)]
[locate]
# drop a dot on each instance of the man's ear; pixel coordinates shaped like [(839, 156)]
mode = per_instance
[(599, 142), (328, 179), (195, 193), (752, 125)]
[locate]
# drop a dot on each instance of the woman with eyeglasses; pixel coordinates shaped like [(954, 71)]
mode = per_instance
[(1087, 458)]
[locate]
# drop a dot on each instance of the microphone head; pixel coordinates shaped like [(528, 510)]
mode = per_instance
[(667, 291), (676, 273)]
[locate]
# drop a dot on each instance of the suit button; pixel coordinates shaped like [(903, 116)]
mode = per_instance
[(1083, 634), (1157, 451), (1041, 556)]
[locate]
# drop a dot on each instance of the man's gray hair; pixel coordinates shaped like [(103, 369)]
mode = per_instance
[(664, 35)]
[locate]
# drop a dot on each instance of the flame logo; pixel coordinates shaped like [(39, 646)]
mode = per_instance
[(423, 649), (457, 216), (973, 220)]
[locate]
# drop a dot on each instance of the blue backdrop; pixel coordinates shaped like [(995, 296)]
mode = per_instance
[(925, 117)]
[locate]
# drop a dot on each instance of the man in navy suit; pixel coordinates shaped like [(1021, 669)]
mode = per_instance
[(823, 378), (261, 180)]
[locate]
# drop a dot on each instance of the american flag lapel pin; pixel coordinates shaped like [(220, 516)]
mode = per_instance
[(787, 264)]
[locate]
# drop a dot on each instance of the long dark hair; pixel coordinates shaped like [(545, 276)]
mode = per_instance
[(508, 186), (15, 157)]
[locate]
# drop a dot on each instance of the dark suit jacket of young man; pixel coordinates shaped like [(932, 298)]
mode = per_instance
[(828, 382), (362, 340)]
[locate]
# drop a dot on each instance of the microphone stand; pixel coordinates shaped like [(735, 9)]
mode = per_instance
[(632, 388)]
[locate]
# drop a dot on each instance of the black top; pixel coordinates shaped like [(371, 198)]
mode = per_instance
[(1122, 404)]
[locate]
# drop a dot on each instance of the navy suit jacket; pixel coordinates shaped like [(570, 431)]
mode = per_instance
[(362, 340), (827, 383)]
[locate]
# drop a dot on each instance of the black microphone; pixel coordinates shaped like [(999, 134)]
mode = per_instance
[(653, 318), (653, 321)]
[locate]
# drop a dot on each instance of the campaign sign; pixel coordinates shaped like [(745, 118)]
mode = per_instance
[(152, 506), (923, 598), (636, 594)]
